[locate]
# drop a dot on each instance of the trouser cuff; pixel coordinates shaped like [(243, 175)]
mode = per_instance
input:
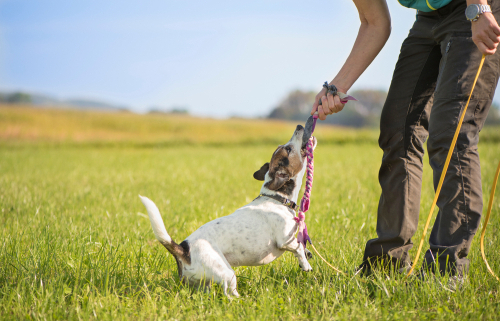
[(445, 264)]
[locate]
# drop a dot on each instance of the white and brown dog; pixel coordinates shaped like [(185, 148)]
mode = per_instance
[(255, 234)]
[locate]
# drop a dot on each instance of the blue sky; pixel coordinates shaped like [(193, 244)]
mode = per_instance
[(215, 58)]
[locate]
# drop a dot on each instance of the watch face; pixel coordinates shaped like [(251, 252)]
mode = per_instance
[(472, 11)]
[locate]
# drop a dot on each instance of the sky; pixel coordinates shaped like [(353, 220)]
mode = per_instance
[(213, 58)]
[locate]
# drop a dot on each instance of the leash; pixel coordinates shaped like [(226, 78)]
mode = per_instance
[(445, 168), (488, 213)]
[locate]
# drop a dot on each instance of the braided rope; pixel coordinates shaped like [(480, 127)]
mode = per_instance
[(303, 236)]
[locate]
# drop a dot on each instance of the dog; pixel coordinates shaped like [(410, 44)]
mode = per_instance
[(255, 234)]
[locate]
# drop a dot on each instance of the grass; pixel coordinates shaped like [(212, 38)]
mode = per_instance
[(24, 125), (75, 242)]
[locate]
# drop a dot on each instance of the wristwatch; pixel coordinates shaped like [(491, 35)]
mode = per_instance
[(473, 11)]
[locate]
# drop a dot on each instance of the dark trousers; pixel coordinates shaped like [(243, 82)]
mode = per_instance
[(429, 89)]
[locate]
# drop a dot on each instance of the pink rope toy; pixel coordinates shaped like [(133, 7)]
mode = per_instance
[(303, 236)]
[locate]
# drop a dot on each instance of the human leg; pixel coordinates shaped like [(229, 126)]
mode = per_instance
[(460, 201), (403, 131)]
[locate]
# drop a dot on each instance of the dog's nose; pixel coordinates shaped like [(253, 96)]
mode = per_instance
[(299, 127)]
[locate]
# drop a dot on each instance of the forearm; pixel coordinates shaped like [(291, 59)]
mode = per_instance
[(372, 36), (370, 40), (477, 2)]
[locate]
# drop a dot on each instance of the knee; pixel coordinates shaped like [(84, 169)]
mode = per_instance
[(390, 139), (438, 146)]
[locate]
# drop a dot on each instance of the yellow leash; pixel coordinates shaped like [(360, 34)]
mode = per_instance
[(445, 168), (331, 266), (490, 205), (334, 268)]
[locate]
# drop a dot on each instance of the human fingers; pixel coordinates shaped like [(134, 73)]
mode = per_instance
[(485, 34), (323, 108), (493, 30), (493, 36), (485, 50), (493, 24), (326, 106), (317, 99), (331, 103), (314, 108), (488, 41), (338, 105)]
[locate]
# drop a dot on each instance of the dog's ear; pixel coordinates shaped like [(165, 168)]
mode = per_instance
[(261, 173)]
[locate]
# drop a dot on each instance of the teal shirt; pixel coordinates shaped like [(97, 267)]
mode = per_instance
[(424, 5)]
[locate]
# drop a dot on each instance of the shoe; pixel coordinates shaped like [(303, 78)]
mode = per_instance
[(366, 268)]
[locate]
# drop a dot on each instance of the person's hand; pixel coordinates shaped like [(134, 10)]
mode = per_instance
[(486, 33), (329, 104)]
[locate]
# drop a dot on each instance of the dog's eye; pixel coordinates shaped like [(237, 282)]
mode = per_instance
[(288, 149)]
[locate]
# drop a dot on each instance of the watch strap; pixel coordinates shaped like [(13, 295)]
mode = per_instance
[(484, 8), (481, 8)]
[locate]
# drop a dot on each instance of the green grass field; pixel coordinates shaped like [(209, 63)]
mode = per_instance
[(75, 242)]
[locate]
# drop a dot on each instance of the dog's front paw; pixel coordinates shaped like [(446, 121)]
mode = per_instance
[(309, 255), (306, 267)]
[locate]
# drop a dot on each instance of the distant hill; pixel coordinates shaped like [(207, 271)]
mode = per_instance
[(364, 112), (46, 100)]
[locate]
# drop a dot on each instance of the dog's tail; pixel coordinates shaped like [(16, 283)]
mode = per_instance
[(180, 252), (156, 221)]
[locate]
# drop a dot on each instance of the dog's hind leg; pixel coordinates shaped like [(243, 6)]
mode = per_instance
[(217, 269), (298, 250), (226, 278)]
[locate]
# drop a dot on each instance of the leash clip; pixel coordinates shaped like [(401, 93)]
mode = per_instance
[(331, 89)]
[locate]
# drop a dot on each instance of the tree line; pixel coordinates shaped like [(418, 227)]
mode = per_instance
[(365, 112)]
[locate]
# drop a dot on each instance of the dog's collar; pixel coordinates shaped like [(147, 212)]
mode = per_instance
[(283, 200)]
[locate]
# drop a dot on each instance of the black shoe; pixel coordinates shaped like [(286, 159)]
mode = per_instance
[(366, 268)]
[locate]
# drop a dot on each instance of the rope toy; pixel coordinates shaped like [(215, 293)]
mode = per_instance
[(303, 236)]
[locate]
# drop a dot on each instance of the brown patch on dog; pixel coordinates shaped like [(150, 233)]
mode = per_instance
[(285, 163), (180, 253), (287, 188)]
